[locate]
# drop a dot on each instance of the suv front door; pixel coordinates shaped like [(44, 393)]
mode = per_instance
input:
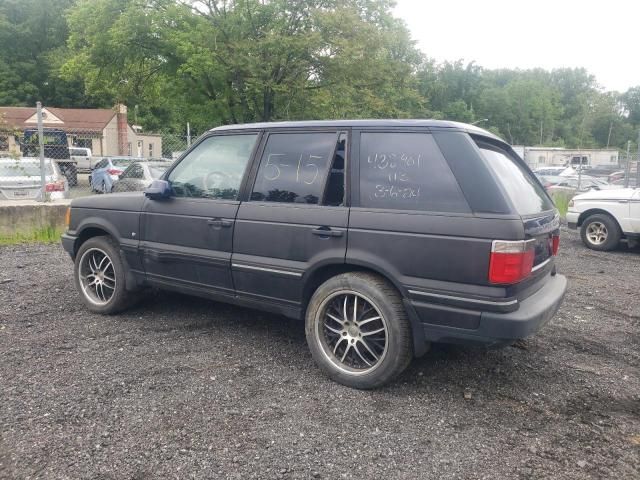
[(295, 220), (186, 240)]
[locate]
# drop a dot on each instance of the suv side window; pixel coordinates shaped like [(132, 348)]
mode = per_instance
[(294, 168), (407, 171), (214, 168)]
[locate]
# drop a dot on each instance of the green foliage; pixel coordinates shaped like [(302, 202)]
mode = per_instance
[(41, 235), (212, 62), (33, 36), (561, 201)]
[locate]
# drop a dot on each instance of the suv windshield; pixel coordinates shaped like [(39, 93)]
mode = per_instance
[(526, 194)]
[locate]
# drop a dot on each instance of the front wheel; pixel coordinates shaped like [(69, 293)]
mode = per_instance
[(99, 275), (600, 232), (358, 331)]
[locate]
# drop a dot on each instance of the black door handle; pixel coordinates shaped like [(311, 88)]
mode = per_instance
[(219, 222), (326, 232)]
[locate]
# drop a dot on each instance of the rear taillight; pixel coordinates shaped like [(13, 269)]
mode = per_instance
[(510, 262), (113, 171), (54, 187), (555, 244)]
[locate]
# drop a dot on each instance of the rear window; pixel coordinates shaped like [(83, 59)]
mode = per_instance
[(121, 162), (407, 171), (526, 194), (24, 169)]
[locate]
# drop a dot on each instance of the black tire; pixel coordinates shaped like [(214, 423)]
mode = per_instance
[(610, 235), (387, 303), (120, 298)]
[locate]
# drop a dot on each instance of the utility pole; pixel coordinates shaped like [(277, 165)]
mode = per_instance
[(609, 136), (43, 177), (638, 162), (188, 135), (541, 123), (627, 167)]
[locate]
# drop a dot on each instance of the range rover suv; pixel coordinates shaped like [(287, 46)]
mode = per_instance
[(383, 236)]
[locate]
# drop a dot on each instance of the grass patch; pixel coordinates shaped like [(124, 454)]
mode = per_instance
[(561, 200), (41, 235), (562, 203)]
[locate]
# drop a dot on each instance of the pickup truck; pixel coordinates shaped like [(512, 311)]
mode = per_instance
[(56, 147), (605, 217)]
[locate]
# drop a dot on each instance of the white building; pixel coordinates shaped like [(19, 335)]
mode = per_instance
[(538, 157)]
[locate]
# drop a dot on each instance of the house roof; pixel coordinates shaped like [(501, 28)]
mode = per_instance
[(68, 119)]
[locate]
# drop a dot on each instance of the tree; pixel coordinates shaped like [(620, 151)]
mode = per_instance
[(32, 41)]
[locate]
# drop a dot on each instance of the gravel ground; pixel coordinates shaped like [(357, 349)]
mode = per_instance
[(185, 388)]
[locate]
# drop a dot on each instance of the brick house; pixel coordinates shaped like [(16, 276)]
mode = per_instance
[(105, 131)]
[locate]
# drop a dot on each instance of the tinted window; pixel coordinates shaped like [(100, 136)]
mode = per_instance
[(526, 194), (406, 171), (334, 191), (214, 168), (294, 167), (134, 171), (101, 164)]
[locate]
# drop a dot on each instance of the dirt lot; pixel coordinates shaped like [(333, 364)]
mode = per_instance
[(186, 388)]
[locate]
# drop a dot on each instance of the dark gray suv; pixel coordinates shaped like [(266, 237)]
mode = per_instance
[(384, 235)]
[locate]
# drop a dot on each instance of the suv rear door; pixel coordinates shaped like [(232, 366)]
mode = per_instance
[(295, 219), (411, 221)]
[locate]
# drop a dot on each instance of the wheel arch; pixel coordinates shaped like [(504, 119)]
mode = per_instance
[(99, 228), (92, 228), (596, 211), (324, 272)]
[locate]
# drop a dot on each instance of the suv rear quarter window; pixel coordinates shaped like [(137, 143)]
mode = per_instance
[(525, 192), (407, 171)]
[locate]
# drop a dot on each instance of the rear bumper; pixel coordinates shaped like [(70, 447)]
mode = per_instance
[(572, 219), (493, 328)]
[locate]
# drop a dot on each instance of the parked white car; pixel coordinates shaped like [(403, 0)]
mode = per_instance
[(20, 179), (604, 217)]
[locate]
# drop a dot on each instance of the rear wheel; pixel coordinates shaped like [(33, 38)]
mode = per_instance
[(600, 232), (358, 331), (99, 275)]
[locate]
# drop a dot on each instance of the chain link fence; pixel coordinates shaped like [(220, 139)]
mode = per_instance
[(629, 174), (86, 154), (94, 159)]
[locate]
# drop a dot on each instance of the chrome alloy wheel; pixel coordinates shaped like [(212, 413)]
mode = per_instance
[(97, 276), (352, 332), (597, 233)]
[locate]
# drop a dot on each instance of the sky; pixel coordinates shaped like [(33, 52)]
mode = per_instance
[(601, 36)]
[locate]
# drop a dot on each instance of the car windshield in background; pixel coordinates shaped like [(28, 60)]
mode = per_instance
[(526, 194), (23, 169)]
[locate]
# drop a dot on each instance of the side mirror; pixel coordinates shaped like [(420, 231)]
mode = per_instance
[(158, 190)]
